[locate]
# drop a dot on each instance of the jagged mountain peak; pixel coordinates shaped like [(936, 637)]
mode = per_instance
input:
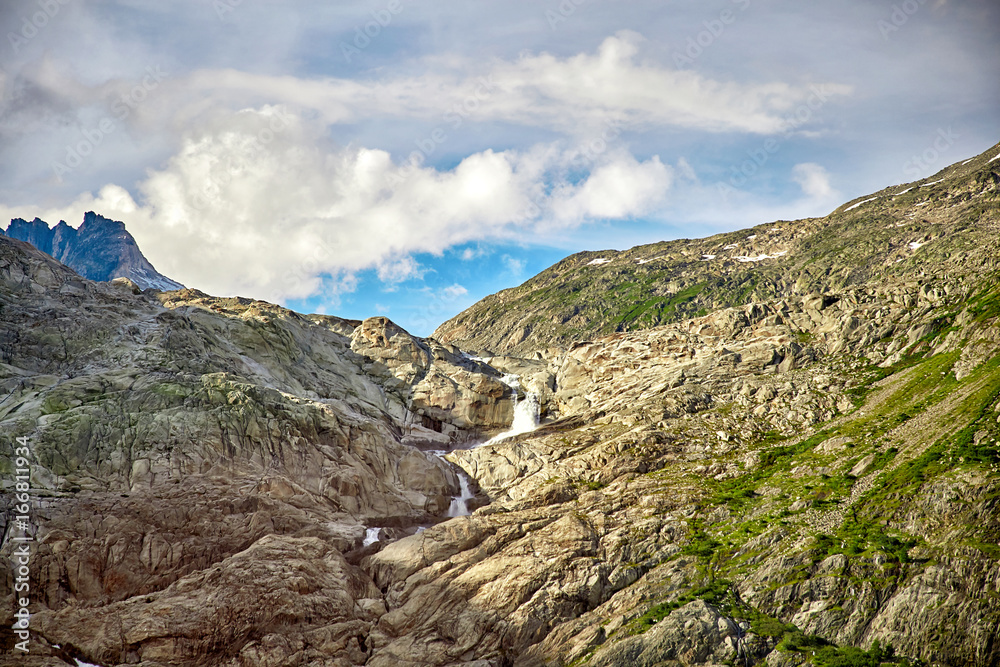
[(99, 249)]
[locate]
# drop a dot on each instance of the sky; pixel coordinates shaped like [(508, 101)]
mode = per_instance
[(405, 158)]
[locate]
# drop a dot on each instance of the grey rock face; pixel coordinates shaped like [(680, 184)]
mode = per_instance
[(99, 249)]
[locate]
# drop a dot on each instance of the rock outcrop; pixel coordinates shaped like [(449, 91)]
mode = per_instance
[(99, 249)]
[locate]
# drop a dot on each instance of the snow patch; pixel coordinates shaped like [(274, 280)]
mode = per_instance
[(903, 192), (854, 206), (81, 663), (993, 158), (760, 258), (970, 160), (927, 185), (599, 260), (731, 246), (651, 259), (913, 245), (753, 236), (706, 258)]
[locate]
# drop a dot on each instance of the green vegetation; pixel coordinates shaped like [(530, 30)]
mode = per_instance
[(862, 537), (649, 310), (824, 654), (712, 594), (986, 304)]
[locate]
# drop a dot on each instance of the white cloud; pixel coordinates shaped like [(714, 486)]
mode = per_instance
[(253, 197), (261, 203), (613, 190), (579, 94), (453, 292), (514, 266), (813, 179), (398, 270), (470, 254)]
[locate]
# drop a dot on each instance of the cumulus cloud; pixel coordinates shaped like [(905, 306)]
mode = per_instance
[(813, 179), (615, 190), (265, 204)]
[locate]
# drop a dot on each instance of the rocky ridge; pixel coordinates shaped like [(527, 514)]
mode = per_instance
[(99, 249), (901, 233), (788, 480)]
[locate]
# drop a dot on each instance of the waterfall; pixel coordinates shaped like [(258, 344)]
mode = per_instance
[(526, 411), (460, 503), (525, 415), (371, 536)]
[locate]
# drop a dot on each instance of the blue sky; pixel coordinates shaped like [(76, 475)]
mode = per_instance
[(392, 157)]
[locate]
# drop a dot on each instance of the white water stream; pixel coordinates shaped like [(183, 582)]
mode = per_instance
[(526, 417), (371, 536), (526, 411), (460, 503)]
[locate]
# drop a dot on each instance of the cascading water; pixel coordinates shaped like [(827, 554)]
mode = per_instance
[(526, 411), (371, 536), (460, 503), (526, 414)]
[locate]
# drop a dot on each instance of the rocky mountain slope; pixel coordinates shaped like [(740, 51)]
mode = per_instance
[(810, 479), (99, 249), (893, 234)]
